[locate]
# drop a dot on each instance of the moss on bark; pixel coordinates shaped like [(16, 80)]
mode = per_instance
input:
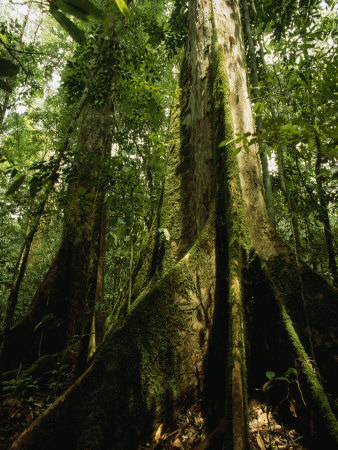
[(60, 298), (230, 200), (143, 370)]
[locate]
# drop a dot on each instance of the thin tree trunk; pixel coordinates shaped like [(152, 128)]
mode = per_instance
[(4, 108), (291, 203), (131, 248), (91, 289), (324, 214), (323, 206)]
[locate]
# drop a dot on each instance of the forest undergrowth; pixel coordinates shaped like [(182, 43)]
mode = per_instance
[(24, 398)]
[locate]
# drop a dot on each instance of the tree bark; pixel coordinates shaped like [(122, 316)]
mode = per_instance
[(259, 121), (55, 317), (184, 336), (324, 214), (23, 257)]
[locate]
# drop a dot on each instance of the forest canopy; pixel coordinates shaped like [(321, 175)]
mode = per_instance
[(168, 202)]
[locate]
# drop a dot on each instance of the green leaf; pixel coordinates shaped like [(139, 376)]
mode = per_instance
[(281, 379), (290, 372), (124, 9), (15, 185), (8, 68), (289, 129), (270, 375), (7, 388), (225, 143), (302, 77), (5, 86), (74, 31)]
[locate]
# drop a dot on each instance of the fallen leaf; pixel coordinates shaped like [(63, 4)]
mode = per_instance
[(293, 410), (177, 443), (260, 442), (158, 433), (262, 419)]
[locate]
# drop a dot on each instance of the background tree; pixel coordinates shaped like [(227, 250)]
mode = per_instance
[(56, 318), (298, 50)]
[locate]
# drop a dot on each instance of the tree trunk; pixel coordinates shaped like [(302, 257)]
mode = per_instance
[(290, 202), (185, 336), (56, 314), (259, 121), (324, 214), (20, 267)]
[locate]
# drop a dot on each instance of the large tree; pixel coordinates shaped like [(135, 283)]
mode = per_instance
[(62, 306), (222, 299)]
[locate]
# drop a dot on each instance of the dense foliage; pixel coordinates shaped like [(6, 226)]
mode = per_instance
[(297, 71)]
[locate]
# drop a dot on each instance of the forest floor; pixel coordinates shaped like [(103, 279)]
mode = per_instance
[(23, 400), (266, 432)]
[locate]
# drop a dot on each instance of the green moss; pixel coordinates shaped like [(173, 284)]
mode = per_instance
[(283, 275), (319, 397), (148, 361), (230, 200)]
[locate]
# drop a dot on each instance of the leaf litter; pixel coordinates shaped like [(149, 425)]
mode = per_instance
[(19, 407), (266, 431)]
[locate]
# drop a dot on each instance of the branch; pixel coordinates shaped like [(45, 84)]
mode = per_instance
[(28, 53), (13, 55), (308, 189)]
